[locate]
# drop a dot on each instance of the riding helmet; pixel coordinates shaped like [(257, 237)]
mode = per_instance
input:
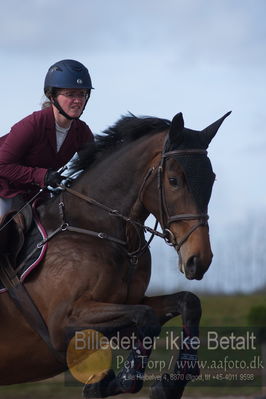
[(68, 74)]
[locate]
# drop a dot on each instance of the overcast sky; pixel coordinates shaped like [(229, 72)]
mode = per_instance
[(201, 57)]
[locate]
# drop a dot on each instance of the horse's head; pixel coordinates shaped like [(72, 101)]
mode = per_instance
[(184, 181)]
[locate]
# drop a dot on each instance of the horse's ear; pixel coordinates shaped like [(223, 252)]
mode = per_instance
[(210, 131), (176, 131)]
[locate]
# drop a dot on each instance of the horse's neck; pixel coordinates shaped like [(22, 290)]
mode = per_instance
[(117, 180), (114, 182)]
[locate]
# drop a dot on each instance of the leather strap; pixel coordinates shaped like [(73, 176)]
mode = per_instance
[(25, 304), (185, 216), (94, 234), (184, 152)]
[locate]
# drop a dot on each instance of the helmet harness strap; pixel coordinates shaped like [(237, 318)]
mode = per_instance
[(62, 112)]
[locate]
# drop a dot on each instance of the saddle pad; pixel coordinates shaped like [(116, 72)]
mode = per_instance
[(35, 234)]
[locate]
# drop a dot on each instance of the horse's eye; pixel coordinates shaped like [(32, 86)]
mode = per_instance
[(173, 181)]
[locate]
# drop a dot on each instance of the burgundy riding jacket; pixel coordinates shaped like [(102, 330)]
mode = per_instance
[(29, 150)]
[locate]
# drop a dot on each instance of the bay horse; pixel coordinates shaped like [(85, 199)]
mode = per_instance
[(97, 266)]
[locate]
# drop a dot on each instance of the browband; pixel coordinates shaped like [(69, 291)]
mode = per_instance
[(184, 152)]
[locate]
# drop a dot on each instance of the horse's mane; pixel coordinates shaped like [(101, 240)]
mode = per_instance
[(127, 129)]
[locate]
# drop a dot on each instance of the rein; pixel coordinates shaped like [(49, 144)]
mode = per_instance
[(112, 212)]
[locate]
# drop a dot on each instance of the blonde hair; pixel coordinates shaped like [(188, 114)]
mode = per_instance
[(49, 92)]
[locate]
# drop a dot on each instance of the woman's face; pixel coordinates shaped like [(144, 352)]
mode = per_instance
[(72, 101)]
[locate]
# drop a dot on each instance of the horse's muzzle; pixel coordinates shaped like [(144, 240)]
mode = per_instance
[(193, 268)]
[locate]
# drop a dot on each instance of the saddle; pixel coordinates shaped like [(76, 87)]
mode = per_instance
[(12, 239), (11, 236), (13, 227)]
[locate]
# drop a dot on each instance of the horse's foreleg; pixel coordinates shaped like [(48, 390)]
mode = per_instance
[(186, 366), (166, 307), (130, 378), (108, 319)]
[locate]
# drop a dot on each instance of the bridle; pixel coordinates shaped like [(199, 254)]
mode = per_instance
[(165, 219)]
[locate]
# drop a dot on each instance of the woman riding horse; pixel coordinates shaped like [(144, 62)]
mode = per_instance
[(97, 267), (47, 139)]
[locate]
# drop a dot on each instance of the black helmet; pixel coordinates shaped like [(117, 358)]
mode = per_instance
[(68, 74)]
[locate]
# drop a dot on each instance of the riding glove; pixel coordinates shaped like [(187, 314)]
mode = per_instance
[(52, 178)]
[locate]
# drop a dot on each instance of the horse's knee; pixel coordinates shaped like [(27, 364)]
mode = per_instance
[(192, 306), (193, 301), (147, 321)]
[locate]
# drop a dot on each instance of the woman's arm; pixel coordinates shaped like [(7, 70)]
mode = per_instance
[(12, 152)]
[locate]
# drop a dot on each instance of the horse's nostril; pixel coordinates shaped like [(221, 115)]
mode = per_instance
[(194, 268), (191, 267), (192, 262)]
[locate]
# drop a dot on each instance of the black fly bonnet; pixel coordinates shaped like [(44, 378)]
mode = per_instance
[(196, 165), (199, 176)]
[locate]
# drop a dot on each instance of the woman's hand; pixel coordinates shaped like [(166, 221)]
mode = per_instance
[(52, 178)]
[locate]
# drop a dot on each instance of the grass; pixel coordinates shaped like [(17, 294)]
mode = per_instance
[(231, 310), (225, 310), (218, 311)]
